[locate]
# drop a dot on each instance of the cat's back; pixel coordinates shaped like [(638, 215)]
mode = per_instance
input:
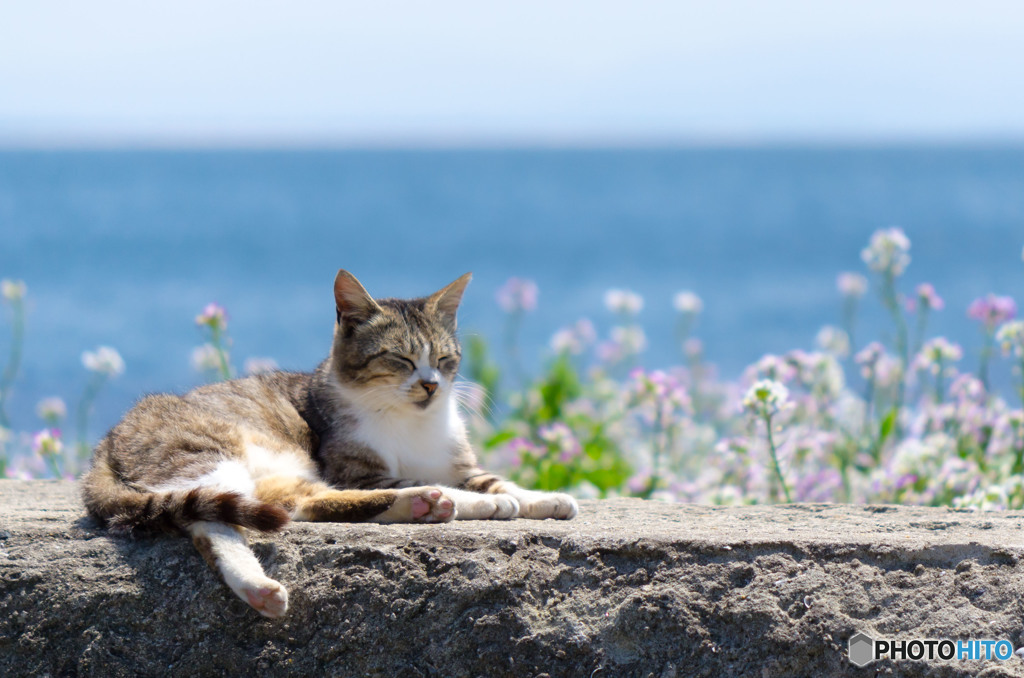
[(230, 416)]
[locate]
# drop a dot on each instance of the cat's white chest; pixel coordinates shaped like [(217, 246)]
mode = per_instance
[(415, 446)]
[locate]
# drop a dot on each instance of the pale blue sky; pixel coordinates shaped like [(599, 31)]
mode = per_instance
[(399, 73)]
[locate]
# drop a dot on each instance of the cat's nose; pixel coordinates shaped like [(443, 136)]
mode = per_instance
[(429, 386)]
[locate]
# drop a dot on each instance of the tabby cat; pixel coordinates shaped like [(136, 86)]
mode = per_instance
[(373, 434)]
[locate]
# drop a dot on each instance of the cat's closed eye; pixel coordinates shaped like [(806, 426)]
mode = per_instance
[(400, 361)]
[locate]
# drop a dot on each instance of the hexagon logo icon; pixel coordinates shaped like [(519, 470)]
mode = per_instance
[(861, 649)]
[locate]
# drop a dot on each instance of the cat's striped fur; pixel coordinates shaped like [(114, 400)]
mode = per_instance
[(373, 434)]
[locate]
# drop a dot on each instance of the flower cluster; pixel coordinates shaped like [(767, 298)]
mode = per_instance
[(765, 398), (937, 354), (888, 252), (623, 302), (687, 302), (518, 295), (1011, 338), (213, 316), (906, 421), (851, 284), (929, 298), (575, 339), (104, 360), (991, 310), (13, 290)]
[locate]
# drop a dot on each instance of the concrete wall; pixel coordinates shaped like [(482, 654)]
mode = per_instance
[(629, 588)]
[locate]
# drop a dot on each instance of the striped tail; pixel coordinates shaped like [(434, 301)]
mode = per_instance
[(119, 506)]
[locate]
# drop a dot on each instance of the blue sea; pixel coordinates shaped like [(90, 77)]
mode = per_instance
[(125, 248)]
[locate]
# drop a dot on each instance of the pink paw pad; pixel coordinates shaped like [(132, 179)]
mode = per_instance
[(420, 507), (268, 602), (257, 598)]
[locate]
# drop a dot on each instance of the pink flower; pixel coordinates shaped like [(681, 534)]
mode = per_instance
[(46, 443), (213, 316), (929, 298), (517, 294), (992, 310), (574, 339)]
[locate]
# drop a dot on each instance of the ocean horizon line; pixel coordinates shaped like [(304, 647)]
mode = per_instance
[(9, 144)]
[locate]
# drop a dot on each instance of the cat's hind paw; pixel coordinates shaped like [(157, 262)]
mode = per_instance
[(268, 598)]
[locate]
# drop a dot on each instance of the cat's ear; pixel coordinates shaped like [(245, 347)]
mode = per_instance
[(352, 300), (446, 302)]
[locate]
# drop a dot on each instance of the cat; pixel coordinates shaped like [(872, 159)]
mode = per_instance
[(373, 434)]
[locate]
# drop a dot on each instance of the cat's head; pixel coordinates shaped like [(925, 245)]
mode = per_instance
[(396, 352)]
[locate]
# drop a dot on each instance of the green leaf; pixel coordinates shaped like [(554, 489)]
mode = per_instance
[(499, 438), (887, 426)]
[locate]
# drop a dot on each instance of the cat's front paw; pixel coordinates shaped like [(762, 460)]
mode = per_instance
[(423, 505), (473, 506), (503, 508), (539, 505)]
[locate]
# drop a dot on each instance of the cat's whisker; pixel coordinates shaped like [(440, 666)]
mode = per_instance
[(472, 397)]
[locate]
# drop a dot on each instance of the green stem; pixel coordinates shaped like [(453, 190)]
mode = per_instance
[(869, 400), (14, 360), (775, 458), (850, 320), (922, 326), (512, 346), (1022, 379), (661, 442), (222, 357), (92, 389), (892, 304), (51, 461), (986, 355)]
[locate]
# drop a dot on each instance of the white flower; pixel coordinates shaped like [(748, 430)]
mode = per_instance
[(888, 251), (688, 302), (1011, 337), (51, 409), (935, 353), (205, 358), (765, 398), (852, 284), (13, 290), (834, 340), (632, 340), (104, 360), (623, 301)]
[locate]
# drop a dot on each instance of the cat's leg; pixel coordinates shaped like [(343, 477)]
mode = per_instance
[(226, 550), (469, 505), (315, 501), (532, 504)]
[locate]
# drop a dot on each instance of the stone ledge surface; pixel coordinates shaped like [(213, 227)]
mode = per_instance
[(629, 588)]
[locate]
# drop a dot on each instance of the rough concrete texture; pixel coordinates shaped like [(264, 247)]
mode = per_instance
[(629, 588)]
